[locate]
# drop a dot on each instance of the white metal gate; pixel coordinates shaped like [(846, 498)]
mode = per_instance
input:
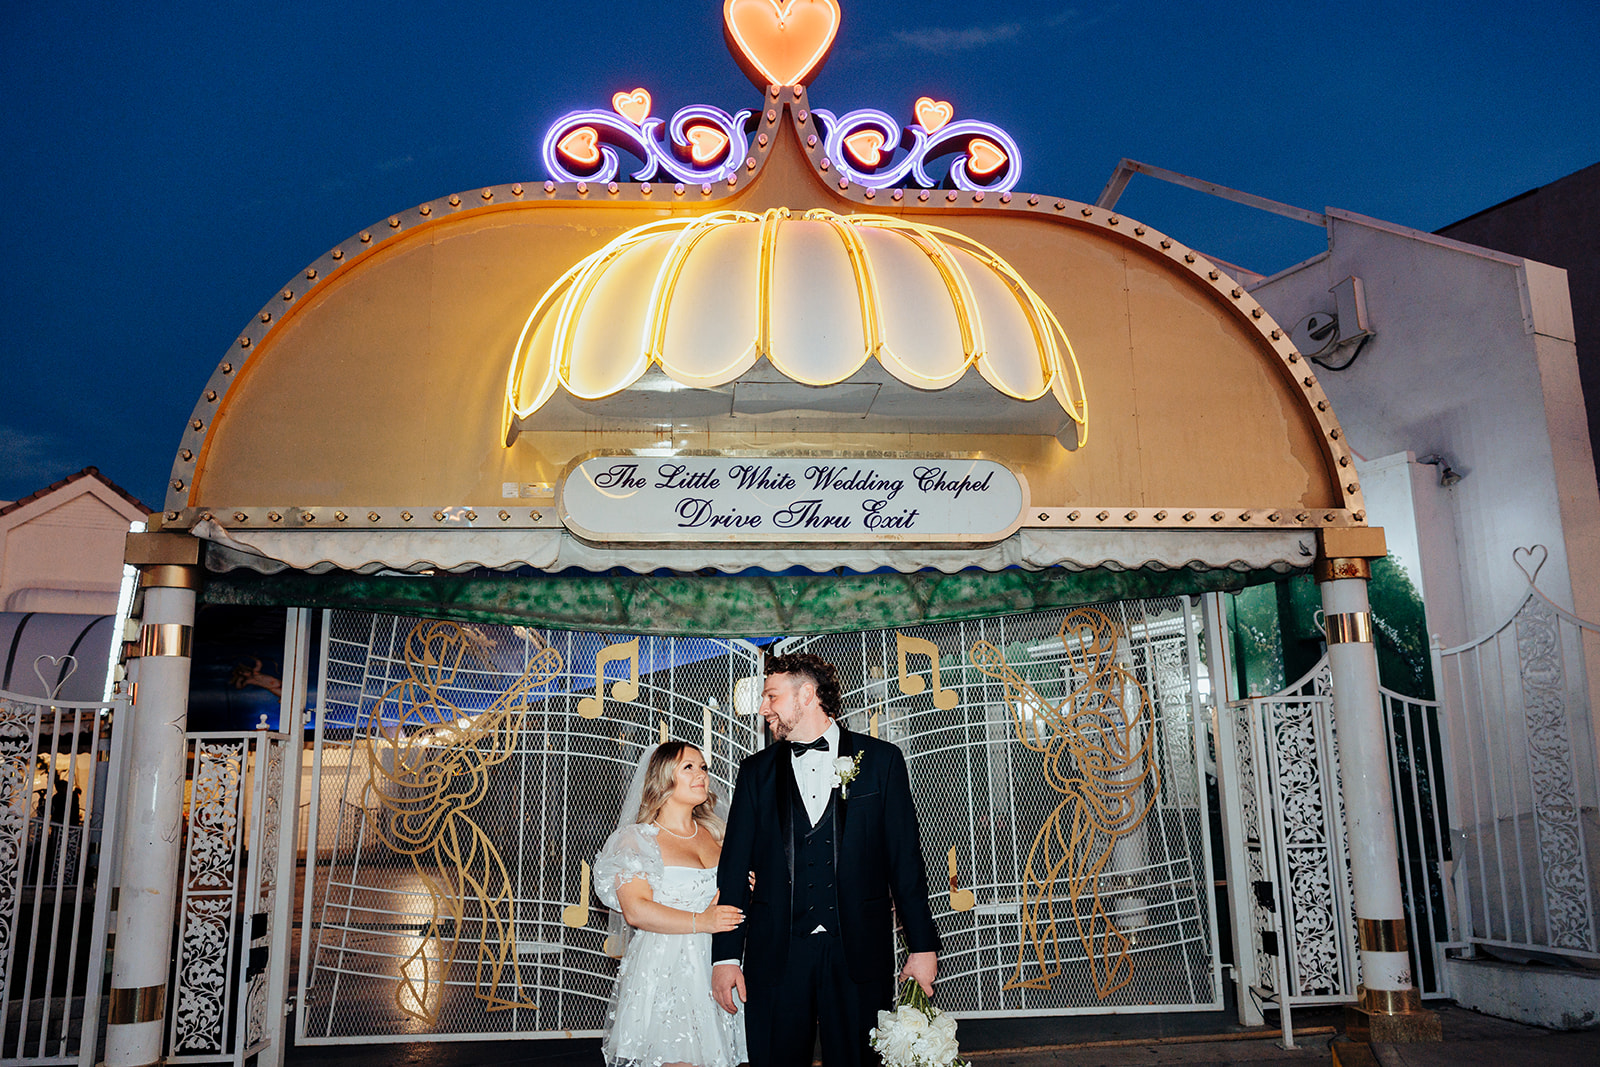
[(230, 898), (1295, 880), (57, 766), (1056, 767), (464, 777), (1526, 780)]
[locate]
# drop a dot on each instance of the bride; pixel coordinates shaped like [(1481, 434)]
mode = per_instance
[(659, 873)]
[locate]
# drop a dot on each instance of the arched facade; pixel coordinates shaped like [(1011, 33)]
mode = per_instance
[(470, 390)]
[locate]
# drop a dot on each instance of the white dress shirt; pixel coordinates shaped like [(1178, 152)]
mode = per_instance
[(813, 774)]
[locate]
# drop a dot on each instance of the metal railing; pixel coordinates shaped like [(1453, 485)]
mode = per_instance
[(58, 764), (1523, 808)]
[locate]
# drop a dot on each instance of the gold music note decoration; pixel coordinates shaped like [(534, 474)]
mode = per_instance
[(1097, 742), (577, 915), (424, 778), (960, 899), (624, 690), (912, 684)]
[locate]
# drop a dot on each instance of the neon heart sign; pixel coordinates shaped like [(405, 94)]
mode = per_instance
[(986, 157), (866, 146), (780, 42), (706, 144), (582, 146), (634, 106), (934, 115)]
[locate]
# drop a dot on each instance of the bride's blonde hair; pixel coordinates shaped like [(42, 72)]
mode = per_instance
[(658, 777)]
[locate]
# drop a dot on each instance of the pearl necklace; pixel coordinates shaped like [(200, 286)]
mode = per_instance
[(680, 837)]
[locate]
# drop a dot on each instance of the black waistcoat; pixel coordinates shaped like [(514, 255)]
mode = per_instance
[(816, 894)]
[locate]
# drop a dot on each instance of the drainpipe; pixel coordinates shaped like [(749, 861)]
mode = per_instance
[(152, 811), (1389, 1009)]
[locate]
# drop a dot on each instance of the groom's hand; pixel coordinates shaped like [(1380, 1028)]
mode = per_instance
[(923, 966), (725, 978)]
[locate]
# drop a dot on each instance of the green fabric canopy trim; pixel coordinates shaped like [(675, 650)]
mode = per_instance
[(718, 605)]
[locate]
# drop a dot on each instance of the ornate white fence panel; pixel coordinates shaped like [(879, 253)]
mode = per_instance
[(219, 1008), (464, 778), (1285, 751), (1524, 805), (57, 766), (1057, 772)]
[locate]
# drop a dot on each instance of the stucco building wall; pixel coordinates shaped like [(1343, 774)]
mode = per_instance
[(1472, 358)]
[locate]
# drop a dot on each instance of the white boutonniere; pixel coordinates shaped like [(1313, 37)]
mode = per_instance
[(845, 769)]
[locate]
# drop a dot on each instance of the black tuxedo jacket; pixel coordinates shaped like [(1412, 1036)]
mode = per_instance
[(877, 859)]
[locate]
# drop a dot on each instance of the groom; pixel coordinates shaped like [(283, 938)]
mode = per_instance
[(817, 948)]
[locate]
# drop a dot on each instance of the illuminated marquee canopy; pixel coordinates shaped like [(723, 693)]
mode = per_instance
[(818, 296), (420, 397)]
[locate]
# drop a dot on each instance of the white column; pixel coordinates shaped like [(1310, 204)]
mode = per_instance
[(151, 819), (1368, 796)]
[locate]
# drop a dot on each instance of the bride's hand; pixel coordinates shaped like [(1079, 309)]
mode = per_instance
[(718, 918)]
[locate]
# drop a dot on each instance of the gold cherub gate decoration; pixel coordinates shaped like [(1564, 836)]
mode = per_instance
[(1097, 742), (426, 774)]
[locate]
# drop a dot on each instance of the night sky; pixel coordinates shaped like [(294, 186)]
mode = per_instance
[(168, 167)]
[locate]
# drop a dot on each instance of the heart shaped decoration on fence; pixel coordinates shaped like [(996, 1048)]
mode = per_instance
[(65, 667), (1522, 557)]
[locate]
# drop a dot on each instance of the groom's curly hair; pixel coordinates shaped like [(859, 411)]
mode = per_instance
[(818, 671)]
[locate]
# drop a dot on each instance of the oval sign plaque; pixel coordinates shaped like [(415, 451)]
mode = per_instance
[(665, 496)]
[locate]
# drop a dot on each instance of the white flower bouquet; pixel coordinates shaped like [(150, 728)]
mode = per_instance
[(916, 1034)]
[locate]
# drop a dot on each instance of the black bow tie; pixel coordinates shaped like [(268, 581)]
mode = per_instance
[(820, 745)]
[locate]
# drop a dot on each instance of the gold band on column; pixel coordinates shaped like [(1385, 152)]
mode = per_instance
[(1382, 935), (143, 1005), (169, 576), (166, 639), (1349, 627), (1390, 1001), (1333, 570)]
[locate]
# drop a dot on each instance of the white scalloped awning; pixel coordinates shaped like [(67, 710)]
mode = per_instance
[(704, 298), (554, 551)]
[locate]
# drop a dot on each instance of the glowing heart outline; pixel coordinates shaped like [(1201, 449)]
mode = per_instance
[(934, 115), (755, 60), (984, 157), (706, 143), (634, 106), (866, 147), (582, 146)]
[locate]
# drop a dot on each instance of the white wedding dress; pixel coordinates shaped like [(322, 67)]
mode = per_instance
[(661, 1008)]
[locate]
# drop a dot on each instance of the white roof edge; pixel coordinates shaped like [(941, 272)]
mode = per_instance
[(1424, 236), (49, 501), (1295, 269)]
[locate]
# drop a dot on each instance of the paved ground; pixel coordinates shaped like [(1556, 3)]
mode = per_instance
[(1471, 1040)]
